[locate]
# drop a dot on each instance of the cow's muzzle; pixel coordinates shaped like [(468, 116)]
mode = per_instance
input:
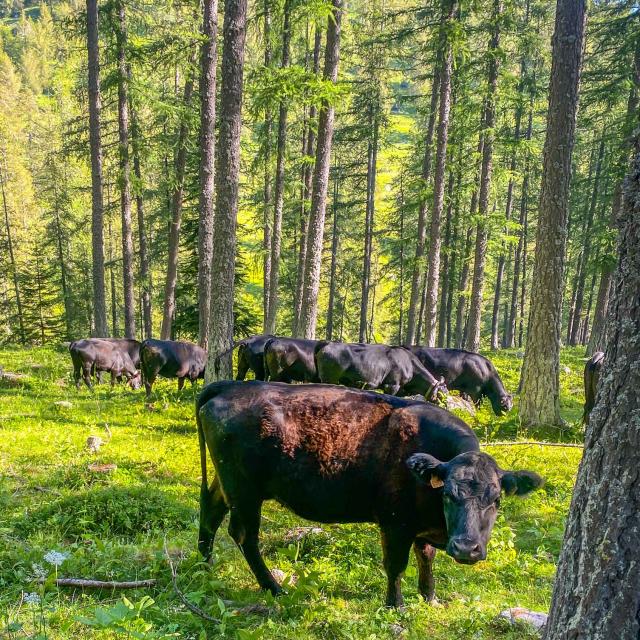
[(466, 551)]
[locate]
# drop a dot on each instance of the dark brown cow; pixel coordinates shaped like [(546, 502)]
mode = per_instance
[(291, 360), (251, 356), (94, 355), (333, 454), (592, 371), (171, 359)]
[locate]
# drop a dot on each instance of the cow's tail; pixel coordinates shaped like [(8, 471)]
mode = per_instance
[(219, 356), (143, 364), (265, 365)]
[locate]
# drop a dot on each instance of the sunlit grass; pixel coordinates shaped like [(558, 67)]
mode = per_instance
[(114, 525)]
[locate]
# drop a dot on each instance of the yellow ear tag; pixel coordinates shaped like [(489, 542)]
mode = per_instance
[(436, 483)]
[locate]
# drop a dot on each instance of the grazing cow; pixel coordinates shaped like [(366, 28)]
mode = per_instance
[(395, 370), (592, 371), (470, 373), (338, 455), (94, 355), (290, 359), (171, 359), (251, 356)]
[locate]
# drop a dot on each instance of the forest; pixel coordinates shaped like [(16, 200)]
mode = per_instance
[(435, 174)]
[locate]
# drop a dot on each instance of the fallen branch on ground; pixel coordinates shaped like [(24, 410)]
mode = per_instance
[(174, 581), (533, 442), (103, 584)]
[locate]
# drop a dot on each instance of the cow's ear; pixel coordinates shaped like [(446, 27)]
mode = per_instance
[(520, 483), (428, 469)]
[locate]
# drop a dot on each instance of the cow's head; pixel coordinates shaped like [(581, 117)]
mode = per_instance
[(135, 381), (471, 485), (502, 404), (437, 393)]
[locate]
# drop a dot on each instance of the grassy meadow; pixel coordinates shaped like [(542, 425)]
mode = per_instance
[(116, 526)]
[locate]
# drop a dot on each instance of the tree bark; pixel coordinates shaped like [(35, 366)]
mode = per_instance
[(125, 175), (311, 282), (169, 306), (143, 253), (418, 265), (596, 594), (307, 175), (276, 232), (539, 400), (334, 258), (447, 258), (268, 126), (95, 144), (482, 232), (208, 61), (449, 9), (227, 183)]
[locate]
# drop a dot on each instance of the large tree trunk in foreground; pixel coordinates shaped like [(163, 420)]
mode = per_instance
[(266, 191), (596, 595), (227, 183), (169, 307), (208, 58), (449, 9), (418, 264), (276, 232), (539, 400), (97, 209), (335, 242), (311, 282), (482, 232), (125, 176)]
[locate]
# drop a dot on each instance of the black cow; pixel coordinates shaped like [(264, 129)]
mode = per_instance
[(338, 455), (395, 370), (94, 355), (171, 359), (470, 373), (251, 356), (592, 371), (290, 359)]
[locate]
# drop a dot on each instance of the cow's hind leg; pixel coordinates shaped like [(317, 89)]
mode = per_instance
[(396, 544), (180, 383), (213, 509), (86, 375), (425, 555), (243, 528)]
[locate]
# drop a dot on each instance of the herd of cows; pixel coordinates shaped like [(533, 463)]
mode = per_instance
[(332, 450)]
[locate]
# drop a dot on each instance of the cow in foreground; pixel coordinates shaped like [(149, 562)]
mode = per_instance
[(469, 373), (291, 360), (251, 356), (395, 370), (95, 355), (338, 455), (171, 359), (592, 371)]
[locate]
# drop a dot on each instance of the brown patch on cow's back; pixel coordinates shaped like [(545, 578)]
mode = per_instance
[(335, 425)]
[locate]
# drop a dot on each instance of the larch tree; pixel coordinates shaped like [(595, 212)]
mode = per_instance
[(208, 61), (311, 283), (219, 363), (596, 595), (95, 144), (540, 392)]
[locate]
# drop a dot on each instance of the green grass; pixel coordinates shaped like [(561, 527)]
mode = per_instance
[(113, 526)]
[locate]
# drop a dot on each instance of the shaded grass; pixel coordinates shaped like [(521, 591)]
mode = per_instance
[(114, 526)]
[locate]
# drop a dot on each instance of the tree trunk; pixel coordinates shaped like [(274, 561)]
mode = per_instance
[(208, 61), (115, 329), (401, 242), (125, 176), (169, 307), (143, 254), (447, 258), (276, 233), (12, 259), (596, 592), (372, 161), (418, 265), (63, 272), (95, 144), (334, 258), (268, 126), (311, 281), (449, 9), (307, 175), (227, 181), (482, 232), (586, 250), (539, 400)]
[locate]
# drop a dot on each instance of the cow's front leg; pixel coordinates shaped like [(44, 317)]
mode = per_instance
[(180, 383), (425, 555), (396, 544)]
